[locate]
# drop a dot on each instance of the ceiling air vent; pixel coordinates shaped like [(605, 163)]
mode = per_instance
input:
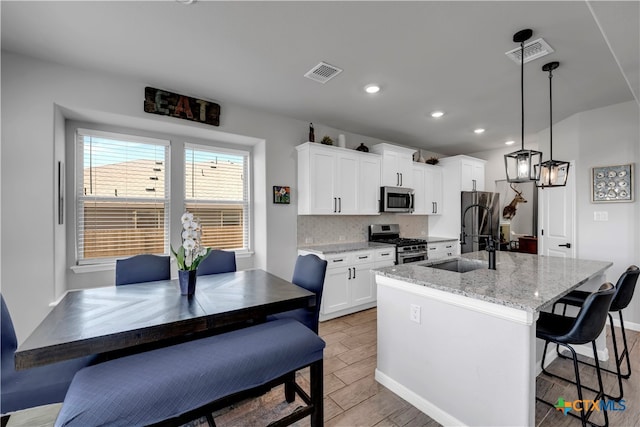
[(322, 72), (532, 50)]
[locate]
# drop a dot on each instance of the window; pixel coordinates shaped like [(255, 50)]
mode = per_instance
[(217, 192), (122, 191)]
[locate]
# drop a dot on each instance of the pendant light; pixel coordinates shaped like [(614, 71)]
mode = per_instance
[(553, 173), (522, 165)]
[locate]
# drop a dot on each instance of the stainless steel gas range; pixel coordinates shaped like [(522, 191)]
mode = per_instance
[(407, 250)]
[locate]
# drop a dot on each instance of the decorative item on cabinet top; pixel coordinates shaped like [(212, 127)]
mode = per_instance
[(432, 161), (327, 140), (362, 148)]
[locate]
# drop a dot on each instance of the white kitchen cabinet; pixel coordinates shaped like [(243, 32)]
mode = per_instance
[(459, 173), (369, 185), (472, 174), (349, 285), (427, 185), (397, 165), (333, 181), (419, 189), (440, 250), (433, 190)]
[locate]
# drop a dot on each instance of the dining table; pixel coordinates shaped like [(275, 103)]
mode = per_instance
[(132, 317)]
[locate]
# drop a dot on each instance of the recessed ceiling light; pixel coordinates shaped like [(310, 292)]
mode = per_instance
[(437, 114), (479, 131), (510, 142), (372, 88)]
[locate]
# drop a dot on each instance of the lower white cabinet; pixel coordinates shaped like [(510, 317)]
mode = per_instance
[(349, 285), (440, 250)]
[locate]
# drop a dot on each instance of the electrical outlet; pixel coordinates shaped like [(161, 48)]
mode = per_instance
[(308, 240), (342, 238), (414, 313)]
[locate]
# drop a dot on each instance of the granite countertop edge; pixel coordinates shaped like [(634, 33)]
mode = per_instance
[(507, 286), (337, 248)]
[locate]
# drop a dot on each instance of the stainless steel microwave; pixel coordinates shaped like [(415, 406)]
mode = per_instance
[(396, 199)]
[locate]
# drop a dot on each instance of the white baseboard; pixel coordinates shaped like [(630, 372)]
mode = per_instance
[(419, 402), (350, 310), (632, 326)]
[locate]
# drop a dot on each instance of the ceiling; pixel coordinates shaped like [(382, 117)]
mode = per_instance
[(425, 55)]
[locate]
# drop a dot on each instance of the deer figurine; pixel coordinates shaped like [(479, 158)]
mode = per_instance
[(509, 211)]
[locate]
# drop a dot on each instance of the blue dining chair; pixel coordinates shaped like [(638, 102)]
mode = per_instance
[(308, 273), (35, 386), (217, 261), (143, 268)]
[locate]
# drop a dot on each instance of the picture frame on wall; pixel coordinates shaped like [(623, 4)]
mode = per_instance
[(281, 194), (612, 183)]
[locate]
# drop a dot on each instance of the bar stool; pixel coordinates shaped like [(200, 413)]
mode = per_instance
[(584, 328), (622, 297)]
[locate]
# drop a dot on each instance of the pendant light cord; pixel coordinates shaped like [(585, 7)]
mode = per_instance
[(522, 92), (550, 118)]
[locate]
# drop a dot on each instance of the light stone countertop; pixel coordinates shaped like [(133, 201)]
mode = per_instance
[(434, 239), (338, 248), (522, 281)]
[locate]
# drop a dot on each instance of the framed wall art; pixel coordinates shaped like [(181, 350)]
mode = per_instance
[(612, 184), (281, 194)]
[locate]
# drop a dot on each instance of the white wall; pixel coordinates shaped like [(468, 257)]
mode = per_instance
[(38, 96), (602, 137)]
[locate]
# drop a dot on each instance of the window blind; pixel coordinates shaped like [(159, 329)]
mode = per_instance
[(122, 193), (217, 193)]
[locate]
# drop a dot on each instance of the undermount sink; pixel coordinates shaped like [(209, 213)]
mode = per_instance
[(459, 265)]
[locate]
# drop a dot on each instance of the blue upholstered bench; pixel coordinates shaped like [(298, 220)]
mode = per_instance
[(172, 385)]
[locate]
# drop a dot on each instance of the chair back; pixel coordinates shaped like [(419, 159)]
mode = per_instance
[(143, 268), (9, 340), (592, 316), (624, 288), (217, 261), (309, 273)]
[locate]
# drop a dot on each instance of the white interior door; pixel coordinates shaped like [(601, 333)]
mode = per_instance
[(557, 216)]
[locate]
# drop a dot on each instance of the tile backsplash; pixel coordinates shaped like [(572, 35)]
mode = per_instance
[(322, 229)]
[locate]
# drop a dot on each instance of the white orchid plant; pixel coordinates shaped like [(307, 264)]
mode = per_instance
[(191, 252)]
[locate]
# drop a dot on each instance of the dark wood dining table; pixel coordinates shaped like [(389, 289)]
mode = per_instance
[(117, 318)]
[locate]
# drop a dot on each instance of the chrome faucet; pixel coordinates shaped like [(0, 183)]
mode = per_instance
[(491, 244)]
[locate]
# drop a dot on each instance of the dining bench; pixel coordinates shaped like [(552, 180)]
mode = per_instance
[(176, 384)]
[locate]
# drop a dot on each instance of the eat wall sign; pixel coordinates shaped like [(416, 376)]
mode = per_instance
[(158, 101)]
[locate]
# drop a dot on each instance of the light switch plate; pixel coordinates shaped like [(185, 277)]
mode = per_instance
[(601, 216)]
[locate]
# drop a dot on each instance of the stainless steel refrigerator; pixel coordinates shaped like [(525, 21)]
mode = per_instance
[(477, 219)]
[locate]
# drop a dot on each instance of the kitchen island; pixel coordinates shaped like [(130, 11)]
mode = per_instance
[(461, 347)]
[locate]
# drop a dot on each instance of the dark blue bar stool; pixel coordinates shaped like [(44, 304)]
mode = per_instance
[(622, 297), (567, 331)]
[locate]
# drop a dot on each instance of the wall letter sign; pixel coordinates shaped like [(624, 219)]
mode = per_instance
[(157, 101)]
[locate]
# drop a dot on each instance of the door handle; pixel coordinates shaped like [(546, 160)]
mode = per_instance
[(400, 180), (397, 179), (566, 245), (335, 204), (340, 204), (354, 272), (349, 273)]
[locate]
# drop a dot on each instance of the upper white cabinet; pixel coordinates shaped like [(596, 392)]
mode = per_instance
[(427, 185), (433, 190), (472, 174), (334, 181), (459, 173), (467, 173), (397, 165)]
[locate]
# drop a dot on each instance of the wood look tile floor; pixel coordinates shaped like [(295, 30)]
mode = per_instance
[(354, 398)]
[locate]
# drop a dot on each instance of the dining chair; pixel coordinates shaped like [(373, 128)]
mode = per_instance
[(625, 287), (143, 268), (309, 274), (568, 331), (38, 386), (217, 261)]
